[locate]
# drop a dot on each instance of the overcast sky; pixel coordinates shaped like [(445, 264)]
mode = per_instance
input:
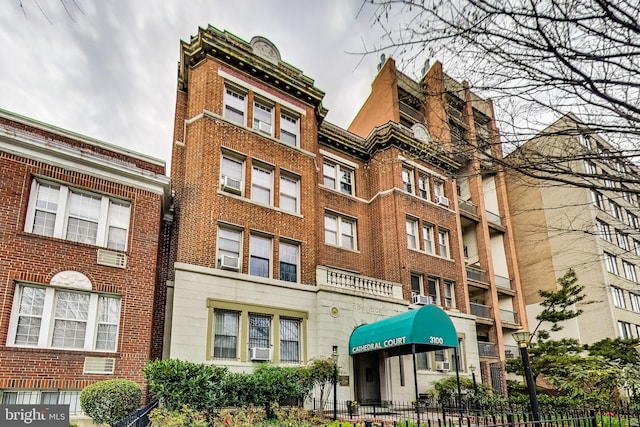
[(107, 68)]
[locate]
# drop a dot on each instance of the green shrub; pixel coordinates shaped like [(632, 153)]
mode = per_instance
[(184, 417), (274, 384), (177, 383), (109, 401)]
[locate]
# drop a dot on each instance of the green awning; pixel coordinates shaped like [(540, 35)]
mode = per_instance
[(428, 327)]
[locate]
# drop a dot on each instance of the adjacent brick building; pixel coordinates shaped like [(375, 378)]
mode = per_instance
[(290, 231), (79, 245)]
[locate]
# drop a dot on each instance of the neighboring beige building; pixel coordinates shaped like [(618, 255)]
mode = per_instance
[(591, 227)]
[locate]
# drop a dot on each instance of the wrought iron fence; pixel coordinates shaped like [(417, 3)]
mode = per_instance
[(139, 418)]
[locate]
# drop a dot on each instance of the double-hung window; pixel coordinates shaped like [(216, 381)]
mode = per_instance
[(339, 231), (432, 289), (623, 240), (259, 330), (609, 183), (290, 339), (443, 243), (289, 129), (229, 246), (624, 329), (262, 185), (407, 179), (629, 271), (615, 210), (438, 188), (423, 186), (636, 247), (590, 167), (289, 261), (337, 177), (289, 193), (263, 117), (618, 297), (235, 105), (604, 230), (635, 302), (225, 337), (633, 221), (78, 216), (611, 263), (597, 199), (416, 284), (260, 256), (231, 174), (449, 294), (427, 237), (63, 318), (412, 233)]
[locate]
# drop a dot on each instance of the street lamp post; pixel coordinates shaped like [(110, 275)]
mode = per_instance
[(472, 368), (334, 356), (522, 338)]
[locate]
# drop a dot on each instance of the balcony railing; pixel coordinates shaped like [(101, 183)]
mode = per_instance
[(468, 207), (487, 349), (480, 310), (507, 316), (511, 352), (357, 283), (494, 218), (477, 275), (503, 282)]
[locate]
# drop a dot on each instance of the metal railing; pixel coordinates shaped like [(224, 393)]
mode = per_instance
[(477, 275), (480, 310), (507, 316), (467, 206), (139, 418), (503, 282), (494, 218), (511, 352)]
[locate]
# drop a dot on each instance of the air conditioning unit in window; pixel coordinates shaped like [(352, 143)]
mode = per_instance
[(112, 258), (443, 366), (441, 200), (261, 354), (422, 299), (231, 185), (230, 262), (264, 127)]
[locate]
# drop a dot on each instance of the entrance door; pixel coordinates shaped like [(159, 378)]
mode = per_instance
[(367, 378)]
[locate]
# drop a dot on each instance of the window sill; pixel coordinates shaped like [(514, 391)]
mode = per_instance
[(343, 248), (77, 352), (68, 242), (244, 199), (334, 191)]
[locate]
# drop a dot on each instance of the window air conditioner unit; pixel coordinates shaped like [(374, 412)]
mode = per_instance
[(422, 299), (231, 185), (112, 258), (441, 200), (443, 366), (230, 262), (260, 354), (264, 127)]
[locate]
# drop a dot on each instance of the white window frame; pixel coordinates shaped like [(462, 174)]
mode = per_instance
[(590, 167), (608, 183), (624, 329), (618, 297), (256, 252), (424, 190), (290, 129), (235, 100), (407, 180), (438, 188), (633, 220), (449, 294), (615, 210), (413, 242), (428, 231), (623, 240), (604, 230), (288, 180), (339, 177), (48, 319), (227, 332), (257, 173), (105, 220), (427, 289), (420, 284), (227, 171), (636, 247), (289, 261), (629, 271), (263, 116), (635, 302), (339, 231), (611, 263), (235, 232), (597, 199), (443, 243)]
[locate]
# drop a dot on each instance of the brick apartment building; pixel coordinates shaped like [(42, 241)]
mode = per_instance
[(81, 225), (291, 232)]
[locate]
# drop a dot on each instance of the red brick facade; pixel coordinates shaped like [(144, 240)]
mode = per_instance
[(28, 258)]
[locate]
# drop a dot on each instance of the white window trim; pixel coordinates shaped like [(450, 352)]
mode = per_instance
[(229, 227), (629, 271), (260, 104), (299, 250), (414, 236), (339, 220), (62, 213), (446, 243), (411, 183), (270, 257), (429, 245), (238, 91), (338, 167), (618, 297), (293, 178), (45, 336), (271, 172), (286, 117)]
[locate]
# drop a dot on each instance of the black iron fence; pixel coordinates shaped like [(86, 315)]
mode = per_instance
[(139, 418)]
